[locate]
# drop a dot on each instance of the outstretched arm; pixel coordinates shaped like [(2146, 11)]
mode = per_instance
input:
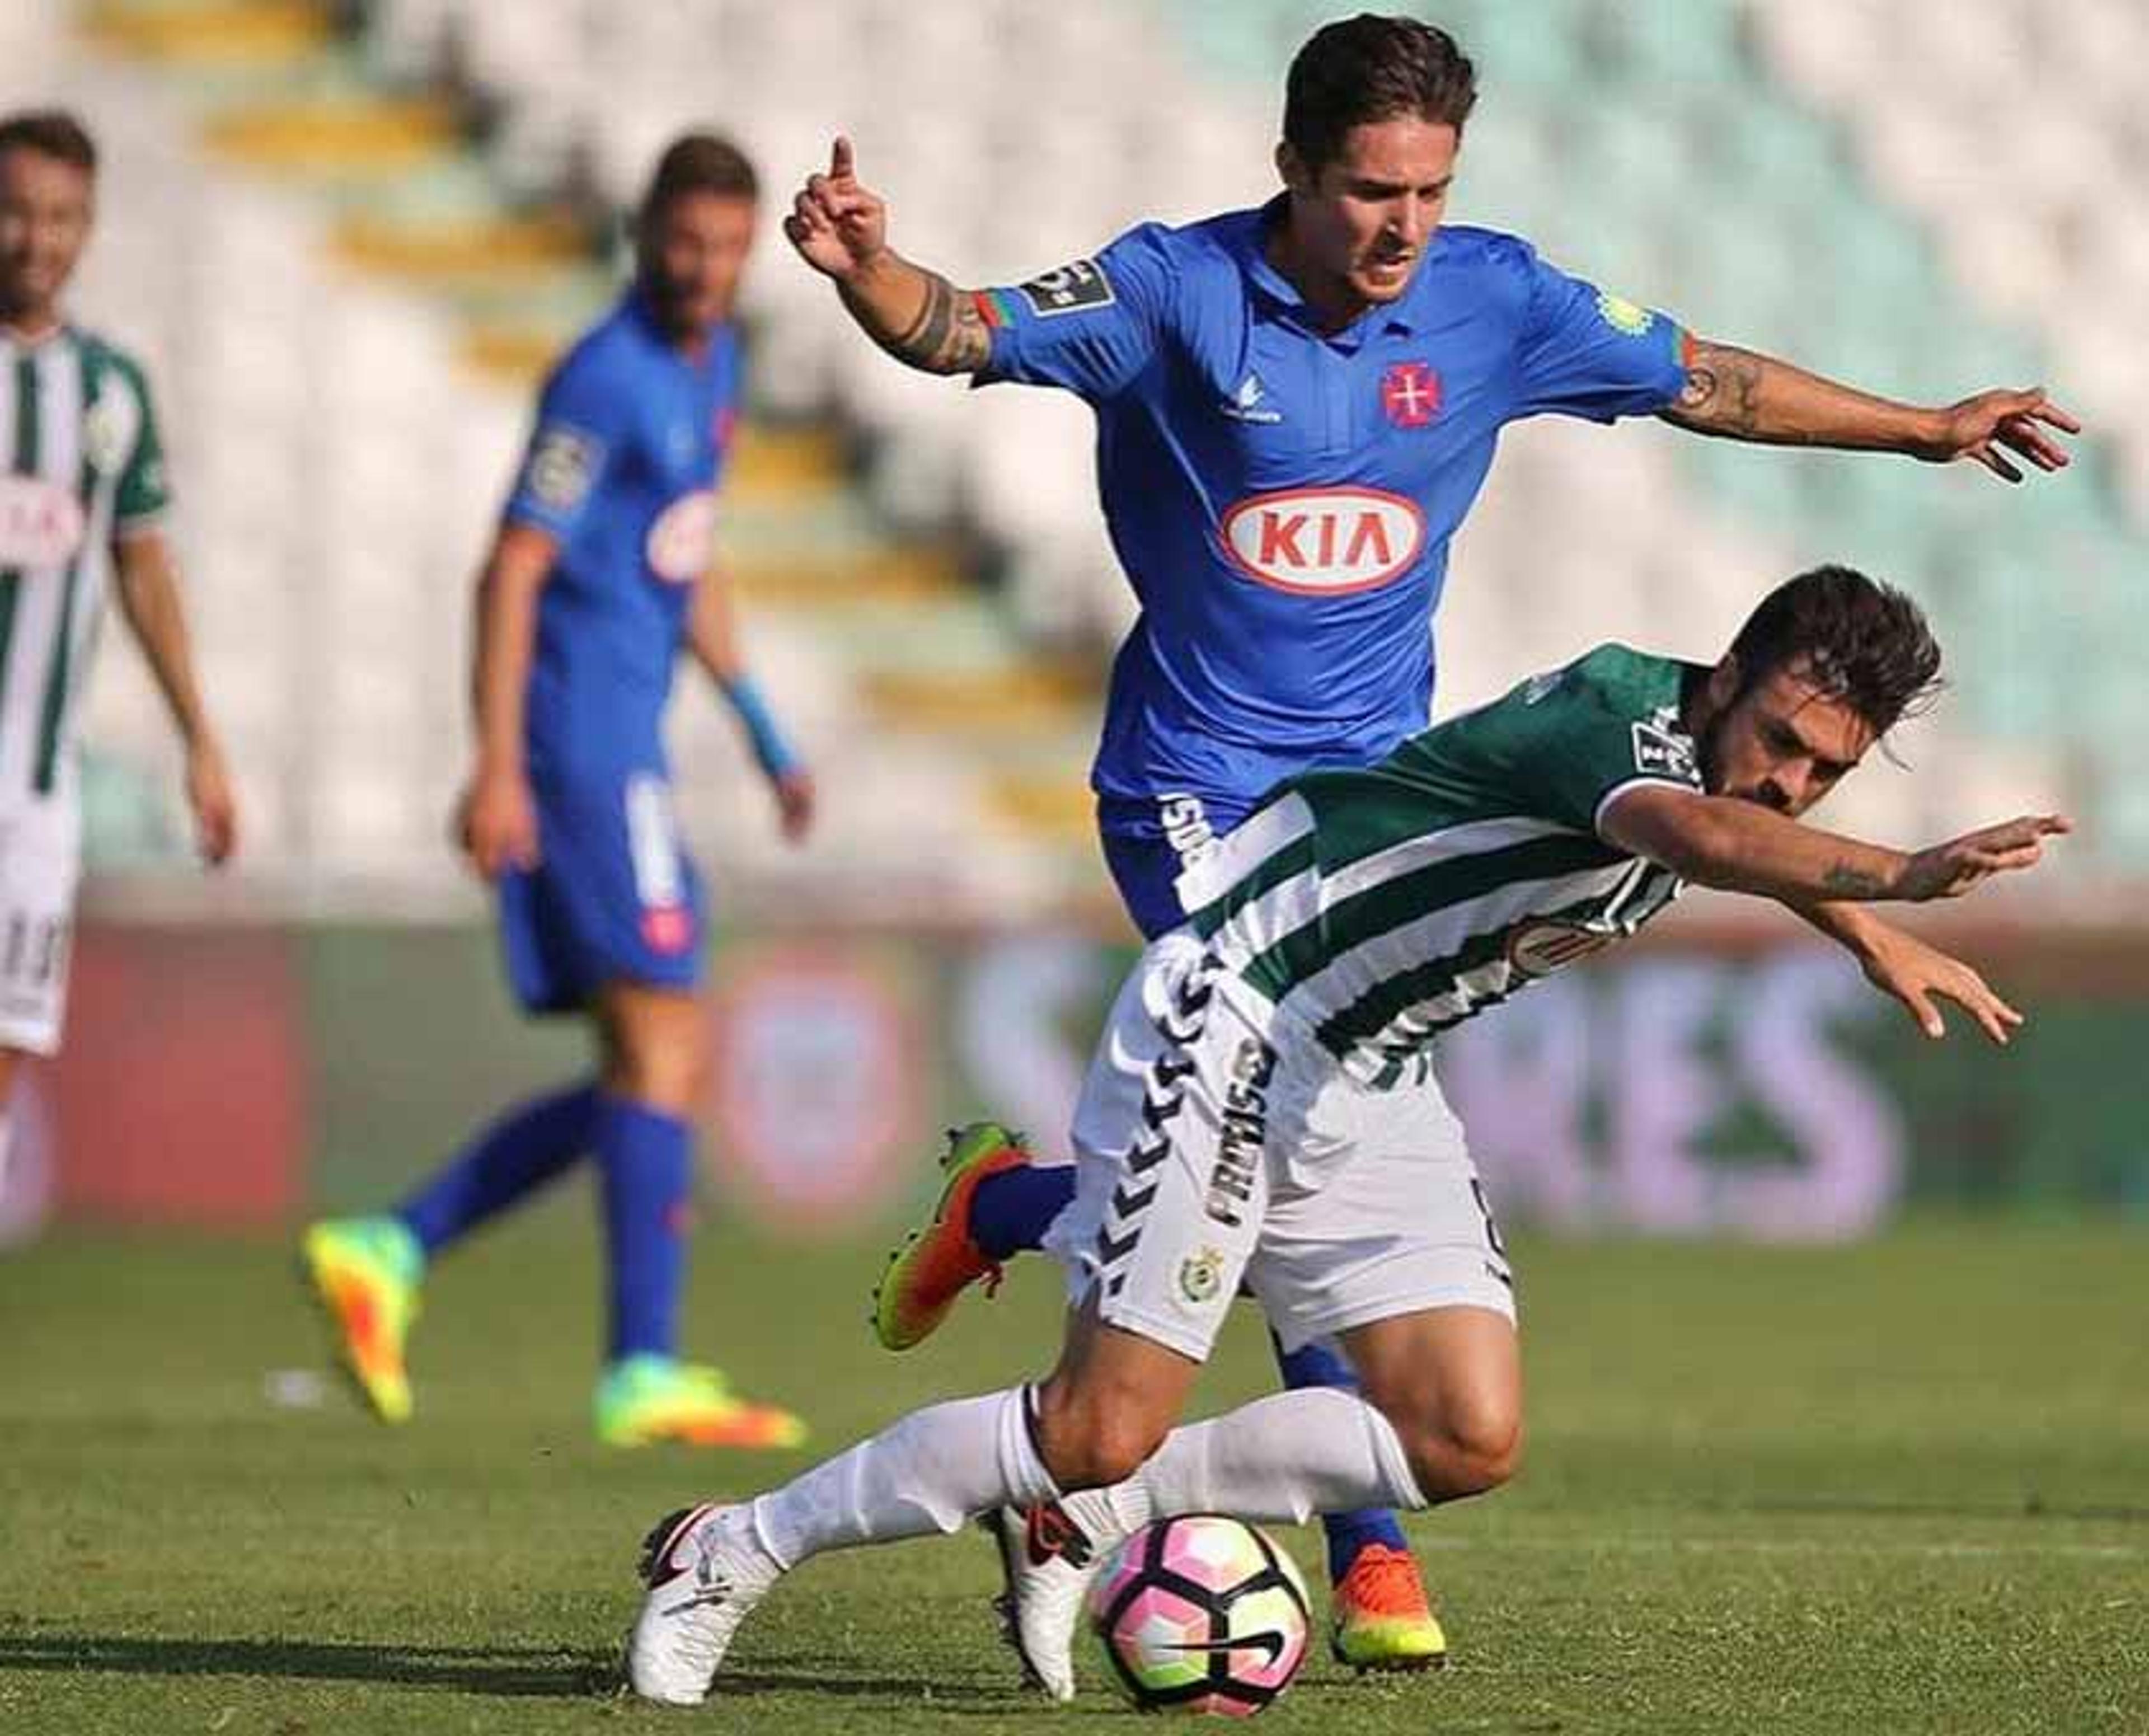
[(1912, 972), (1741, 395), (1738, 846), (840, 228), (150, 598)]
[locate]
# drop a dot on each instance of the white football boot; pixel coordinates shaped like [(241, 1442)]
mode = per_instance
[(705, 1570), (1049, 1554)]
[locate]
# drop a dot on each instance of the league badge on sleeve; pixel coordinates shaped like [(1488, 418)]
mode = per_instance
[(1069, 290), (1624, 316), (1662, 750), (563, 463)]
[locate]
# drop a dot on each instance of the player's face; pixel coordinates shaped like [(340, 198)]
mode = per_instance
[(45, 209), (1781, 742), (693, 253), (1361, 222)]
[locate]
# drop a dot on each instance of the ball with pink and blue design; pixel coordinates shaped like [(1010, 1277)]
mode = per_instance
[(1201, 1614)]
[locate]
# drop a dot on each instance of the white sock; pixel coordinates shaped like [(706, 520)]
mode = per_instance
[(1283, 1458), (931, 1471)]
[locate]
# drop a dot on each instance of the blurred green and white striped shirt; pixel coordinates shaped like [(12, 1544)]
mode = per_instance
[(80, 466)]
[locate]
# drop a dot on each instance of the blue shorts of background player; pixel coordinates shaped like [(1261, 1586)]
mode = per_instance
[(614, 897)]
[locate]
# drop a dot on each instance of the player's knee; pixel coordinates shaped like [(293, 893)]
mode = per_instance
[(1467, 1448), (664, 1067), (1089, 1439)]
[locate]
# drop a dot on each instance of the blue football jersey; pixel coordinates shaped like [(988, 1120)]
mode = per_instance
[(1283, 500), (622, 469)]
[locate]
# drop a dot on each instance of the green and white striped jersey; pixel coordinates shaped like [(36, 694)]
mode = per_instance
[(1380, 907), (79, 465)]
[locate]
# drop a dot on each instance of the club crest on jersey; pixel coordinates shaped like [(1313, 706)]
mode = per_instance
[(41, 523), (105, 429), (1323, 541), (1068, 291), (683, 539), (1410, 394)]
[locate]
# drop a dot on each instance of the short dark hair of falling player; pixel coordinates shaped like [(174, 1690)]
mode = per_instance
[(1864, 642)]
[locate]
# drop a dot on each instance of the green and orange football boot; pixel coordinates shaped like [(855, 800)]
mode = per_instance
[(363, 1273), (937, 1263), (1382, 1619), (643, 1399)]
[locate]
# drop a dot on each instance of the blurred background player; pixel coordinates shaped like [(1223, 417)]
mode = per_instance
[(83, 497), (600, 574), (1297, 406), (1287, 1137)]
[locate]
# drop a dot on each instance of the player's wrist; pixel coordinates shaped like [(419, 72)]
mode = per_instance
[(772, 750)]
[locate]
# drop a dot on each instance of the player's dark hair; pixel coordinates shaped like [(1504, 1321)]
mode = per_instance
[(51, 133), (1372, 69), (1863, 642), (699, 162)]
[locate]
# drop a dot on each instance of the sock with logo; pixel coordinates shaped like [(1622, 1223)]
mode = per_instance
[(1011, 1210), (645, 1159), (522, 1151), (929, 1472), (1321, 1363)]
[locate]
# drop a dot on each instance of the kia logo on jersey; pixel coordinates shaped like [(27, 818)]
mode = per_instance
[(40, 523), (1410, 394), (1324, 541)]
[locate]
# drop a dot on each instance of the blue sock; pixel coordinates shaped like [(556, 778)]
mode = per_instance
[(1010, 1212), (645, 1158), (1318, 1364), (526, 1147)]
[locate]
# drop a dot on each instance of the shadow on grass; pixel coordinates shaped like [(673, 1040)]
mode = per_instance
[(543, 1673)]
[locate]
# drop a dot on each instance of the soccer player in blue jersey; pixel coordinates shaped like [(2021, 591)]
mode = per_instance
[(1295, 407), (599, 576)]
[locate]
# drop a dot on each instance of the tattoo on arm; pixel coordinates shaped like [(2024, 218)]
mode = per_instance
[(1723, 395), (1843, 881), (950, 335)]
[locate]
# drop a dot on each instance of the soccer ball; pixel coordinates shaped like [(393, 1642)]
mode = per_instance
[(1201, 1614)]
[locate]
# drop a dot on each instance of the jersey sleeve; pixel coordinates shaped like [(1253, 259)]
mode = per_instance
[(144, 492), (582, 428), (1585, 352), (1579, 746), (1090, 327)]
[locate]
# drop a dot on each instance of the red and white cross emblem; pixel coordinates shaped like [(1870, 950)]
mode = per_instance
[(1409, 393)]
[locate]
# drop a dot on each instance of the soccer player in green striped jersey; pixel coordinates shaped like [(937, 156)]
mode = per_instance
[(1261, 1111), (81, 501)]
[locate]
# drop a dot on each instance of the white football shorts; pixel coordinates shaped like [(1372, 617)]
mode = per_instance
[(1217, 1141), (40, 864)]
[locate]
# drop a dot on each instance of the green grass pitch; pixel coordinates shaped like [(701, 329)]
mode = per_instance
[(1898, 1487)]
